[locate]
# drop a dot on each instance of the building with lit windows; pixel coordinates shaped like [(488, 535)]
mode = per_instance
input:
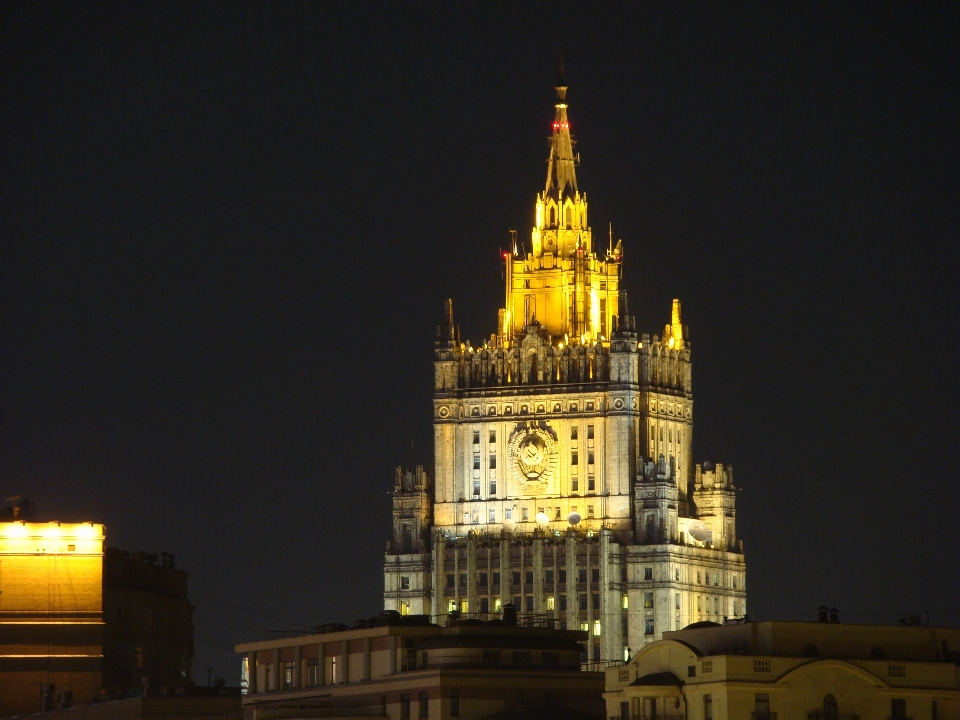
[(791, 671), (564, 480), (51, 619)]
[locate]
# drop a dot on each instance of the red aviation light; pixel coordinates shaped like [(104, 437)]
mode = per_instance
[(505, 255), (561, 125)]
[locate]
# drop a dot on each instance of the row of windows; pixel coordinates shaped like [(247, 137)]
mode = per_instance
[(423, 704), (548, 577), (574, 433)]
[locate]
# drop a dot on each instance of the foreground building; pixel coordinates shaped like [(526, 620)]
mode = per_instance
[(400, 668), (791, 671), (51, 619), (564, 479), (148, 630)]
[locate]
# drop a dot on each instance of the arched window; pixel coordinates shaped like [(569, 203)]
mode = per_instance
[(553, 216), (830, 711), (569, 222)]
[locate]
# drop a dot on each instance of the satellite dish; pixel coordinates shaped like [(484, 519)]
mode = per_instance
[(573, 518), (698, 531), (542, 519), (509, 525)]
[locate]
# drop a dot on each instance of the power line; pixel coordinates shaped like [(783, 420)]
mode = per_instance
[(250, 610)]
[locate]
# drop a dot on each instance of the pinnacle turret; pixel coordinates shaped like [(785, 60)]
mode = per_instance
[(561, 175)]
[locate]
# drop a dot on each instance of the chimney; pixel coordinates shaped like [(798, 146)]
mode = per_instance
[(822, 612), (834, 615)]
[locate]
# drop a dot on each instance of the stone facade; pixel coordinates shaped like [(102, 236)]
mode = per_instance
[(564, 479)]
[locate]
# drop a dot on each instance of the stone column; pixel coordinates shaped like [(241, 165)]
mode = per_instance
[(297, 667), (473, 604), (572, 599), (505, 573), (321, 664), (278, 681), (537, 588), (366, 658), (345, 660)]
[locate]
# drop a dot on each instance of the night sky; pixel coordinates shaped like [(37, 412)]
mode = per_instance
[(228, 228)]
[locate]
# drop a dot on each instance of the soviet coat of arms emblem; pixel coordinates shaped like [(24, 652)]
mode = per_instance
[(533, 454)]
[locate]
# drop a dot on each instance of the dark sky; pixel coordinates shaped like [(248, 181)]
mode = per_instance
[(227, 230)]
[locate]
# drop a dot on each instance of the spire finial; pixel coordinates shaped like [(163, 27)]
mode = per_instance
[(560, 166)]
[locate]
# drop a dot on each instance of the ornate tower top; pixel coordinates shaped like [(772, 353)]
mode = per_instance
[(561, 173)]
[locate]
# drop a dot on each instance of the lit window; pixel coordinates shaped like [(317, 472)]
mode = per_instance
[(464, 606), (496, 605), (596, 627), (648, 599), (550, 603), (648, 627), (525, 514), (493, 516), (493, 436), (508, 513), (626, 602), (589, 511), (404, 582)]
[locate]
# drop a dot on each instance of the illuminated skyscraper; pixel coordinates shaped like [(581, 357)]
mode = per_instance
[(564, 479)]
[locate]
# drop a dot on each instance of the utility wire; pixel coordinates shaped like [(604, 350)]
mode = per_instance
[(250, 610)]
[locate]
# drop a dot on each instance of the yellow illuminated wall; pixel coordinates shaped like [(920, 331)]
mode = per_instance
[(51, 612)]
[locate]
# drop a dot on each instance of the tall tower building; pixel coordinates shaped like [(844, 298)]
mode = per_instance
[(563, 478)]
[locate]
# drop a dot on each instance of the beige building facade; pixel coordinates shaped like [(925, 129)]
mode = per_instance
[(791, 671), (564, 479)]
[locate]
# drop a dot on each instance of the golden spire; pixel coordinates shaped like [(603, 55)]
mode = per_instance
[(560, 166), (673, 333)]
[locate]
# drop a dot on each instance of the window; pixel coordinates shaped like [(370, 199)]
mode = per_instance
[(496, 605), (897, 670), (493, 461), (596, 628), (648, 600), (423, 703), (589, 457), (582, 575), (476, 461), (648, 573), (476, 437), (678, 575), (830, 710), (761, 666), (583, 602), (496, 578), (550, 603), (508, 513), (698, 604), (525, 515), (761, 706), (591, 484), (589, 511), (898, 709), (716, 581), (716, 606), (734, 582), (404, 582), (452, 605), (455, 703), (463, 579), (698, 576), (573, 432), (708, 707), (574, 484), (678, 601), (708, 666), (563, 603), (491, 658), (596, 601), (483, 579), (574, 457), (529, 577), (648, 627), (312, 676), (464, 606), (691, 670), (493, 516), (589, 432), (549, 577), (476, 490), (493, 436), (529, 603), (451, 581), (288, 671), (551, 660), (516, 578), (484, 605), (562, 575), (625, 602), (595, 575)]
